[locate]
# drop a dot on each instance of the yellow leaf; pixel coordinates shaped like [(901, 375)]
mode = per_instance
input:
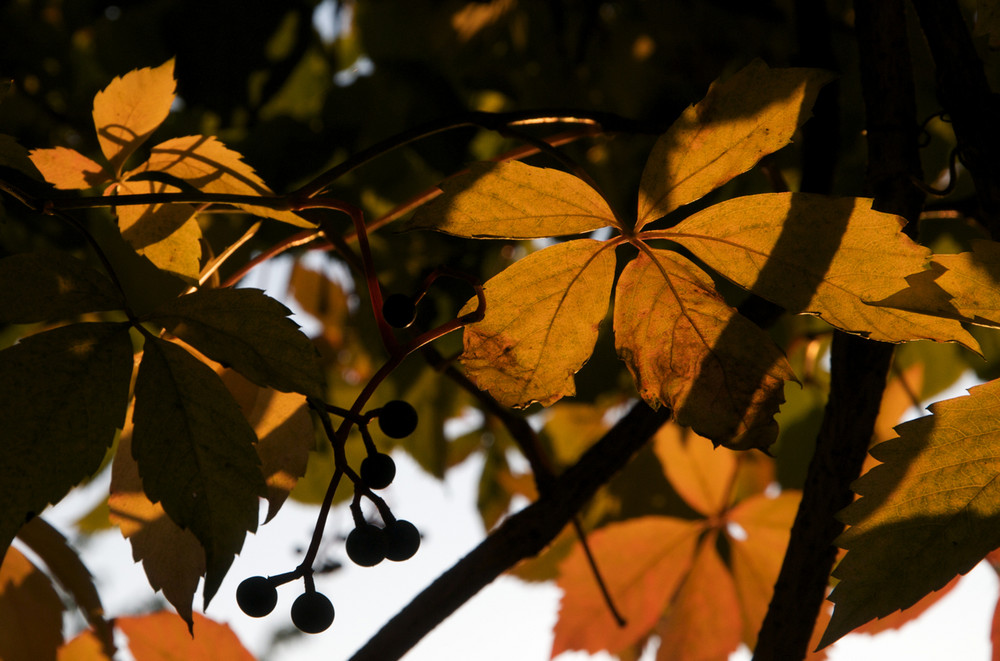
[(83, 647), (68, 169), (211, 167), (541, 323), (927, 513), (166, 234), (572, 427), (758, 548), (129, 109), (722, 375), (817, 255), (702, 474), (30, 610), (740, 120), (512, 200), (643, 562), (703, 622), (162, 637)]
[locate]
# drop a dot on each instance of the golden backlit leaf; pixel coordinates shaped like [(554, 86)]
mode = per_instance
[(742, 119), (541, 323), (926, 514), (722, 375), (763, 526), (701, 473), (512, 200), (643, 562), (30, 611), (129, 109), (68, 169), (817, 255), (703, 622), (163, 637), (571, 428), (83, 647)]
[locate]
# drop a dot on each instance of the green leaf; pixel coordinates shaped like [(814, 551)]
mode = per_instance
[(926, 514), (63, 393), (722, 375), (512, 200), (248, 331), (740, 120), (541, 323), (195, 452), (817, 255), (50, 286)]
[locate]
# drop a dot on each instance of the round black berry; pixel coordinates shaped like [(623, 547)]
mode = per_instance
[(377, 470), (256, 596), (397, 419), (402, 539), (399, 310), (312, 612), (366, 545)]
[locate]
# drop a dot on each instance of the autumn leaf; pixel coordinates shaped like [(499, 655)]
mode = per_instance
[(740, 120), (927, 513), (41, 287), (63, 393), (31, 611), (68, 169), (643, 562), (248, 331), (195, 453), (512, 200), (701, 474), (85, 646), (686, 348), (817, 255), (161, 637), (541, 323)]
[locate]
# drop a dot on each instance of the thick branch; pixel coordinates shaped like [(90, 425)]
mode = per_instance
[(521, 536)]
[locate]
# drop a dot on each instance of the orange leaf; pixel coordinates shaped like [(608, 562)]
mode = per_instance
[(541, 323), (129, 109), (163, 637), (701, 473), (643, 562), (84, 647), (703, 622), (68, 169), (30, 610), (722, 375)]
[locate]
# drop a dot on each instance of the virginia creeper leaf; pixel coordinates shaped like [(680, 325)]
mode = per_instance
[(63, 393), (30, 610), (45, 287), (129, 109), (83, 647), (541, 323), (686, 348), (195, 453), (701, 474), (513, 200), (817, 255), (248, 331), (740, 120), (703, 622), (926, 514), (643, 562), (168, 235), (68, 169), (162, 637)]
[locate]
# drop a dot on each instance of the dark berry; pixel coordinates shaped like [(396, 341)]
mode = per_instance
[(402, 539), (312, 612), (377, 470), (399, 310), (397, 419), (256, 596), (366, 545)]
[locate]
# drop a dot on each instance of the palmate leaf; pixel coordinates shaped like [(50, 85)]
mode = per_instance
[(740, 120), (514, 201), (818, 255), (48, 286), (195, 453), (168, 235), (926, 514), (541, 323), (63, 393), (722, 375)]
